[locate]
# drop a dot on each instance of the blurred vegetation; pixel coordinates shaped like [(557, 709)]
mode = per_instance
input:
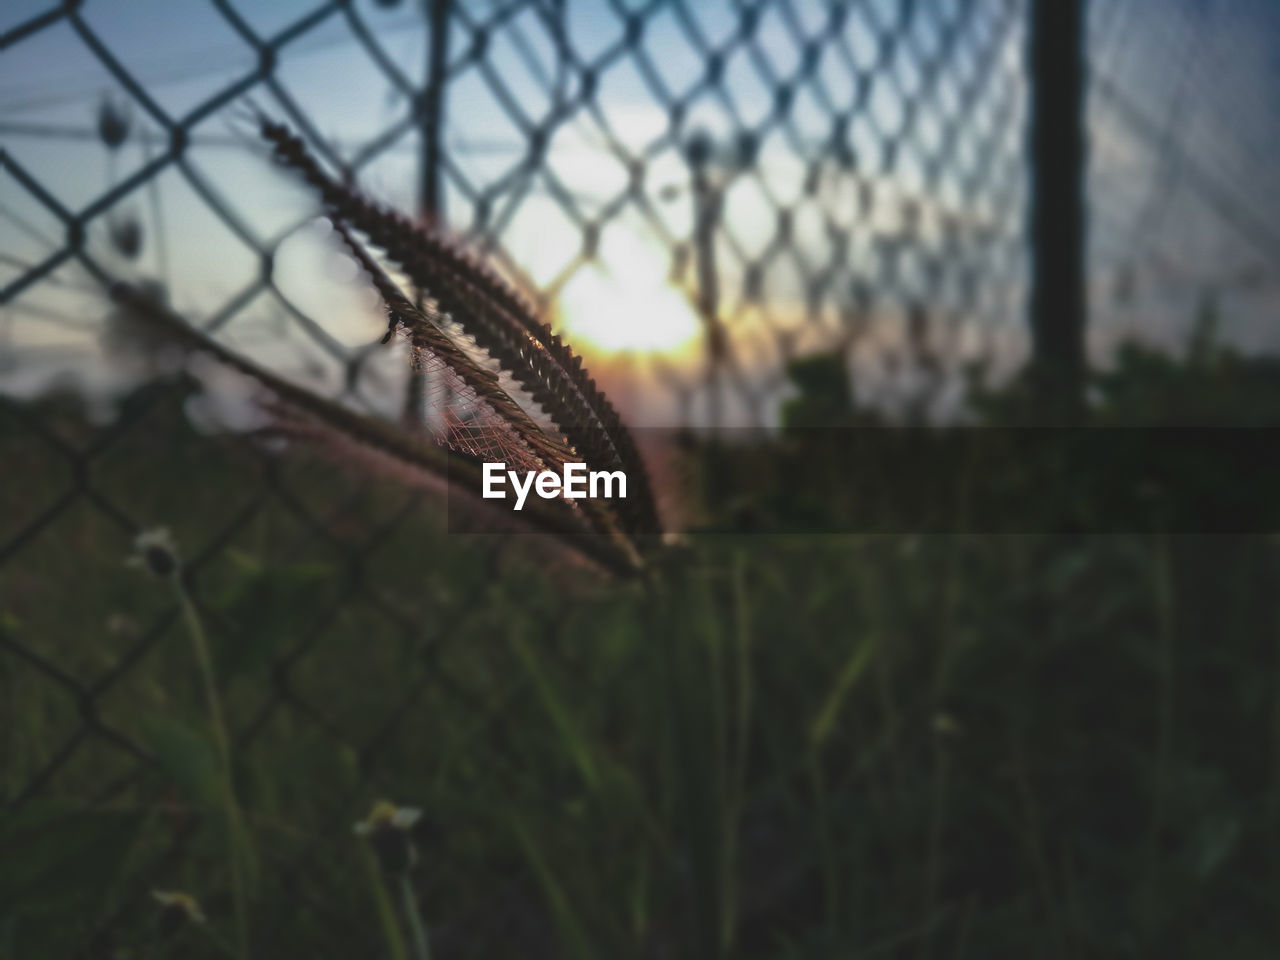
[(1047, 745)]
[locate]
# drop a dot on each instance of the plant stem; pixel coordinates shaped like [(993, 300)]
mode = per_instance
[(719, 806), (416, 926), (736, 777), (386, 912), (1163, 603), (222, 744)]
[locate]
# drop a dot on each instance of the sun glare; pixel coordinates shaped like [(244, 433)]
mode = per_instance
[(624, 302)]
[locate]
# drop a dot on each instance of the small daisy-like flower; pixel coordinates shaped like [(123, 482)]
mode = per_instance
[(177, 909), (387, 828), (156, 551)]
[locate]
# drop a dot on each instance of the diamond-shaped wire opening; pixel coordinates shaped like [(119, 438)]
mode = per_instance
[(199, 55), (94, 126)]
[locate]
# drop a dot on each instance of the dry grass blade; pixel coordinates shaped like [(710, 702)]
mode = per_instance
[(379, 445), (499, 321)]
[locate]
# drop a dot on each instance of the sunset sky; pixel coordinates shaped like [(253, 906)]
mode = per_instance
[(1156, 237)]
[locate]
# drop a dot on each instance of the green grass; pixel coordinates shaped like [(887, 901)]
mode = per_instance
[(773, 747)]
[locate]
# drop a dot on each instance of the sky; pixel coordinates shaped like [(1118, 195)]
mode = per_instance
[(1186, 195), (870, 225)]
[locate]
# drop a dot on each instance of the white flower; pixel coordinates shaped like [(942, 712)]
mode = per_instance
[(386, 814), (387, 828), (179, 906), (155, 550)]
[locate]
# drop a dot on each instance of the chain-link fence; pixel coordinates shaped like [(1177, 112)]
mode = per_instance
[(1182, 198), (715, 187), (785, 171)]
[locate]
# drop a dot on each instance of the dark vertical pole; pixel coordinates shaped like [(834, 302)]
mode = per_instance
[(430, 200), (1057, 203), (706, 212)]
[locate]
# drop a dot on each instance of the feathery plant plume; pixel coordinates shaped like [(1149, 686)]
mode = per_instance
[(481, 419), (384, 448), (498, 319), (491, 426), (507, 432)]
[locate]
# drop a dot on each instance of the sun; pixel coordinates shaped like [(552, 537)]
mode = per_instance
[(623, 302)]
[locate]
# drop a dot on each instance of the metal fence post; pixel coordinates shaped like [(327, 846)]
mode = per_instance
[(430, 204), (706, 208), (1058, 308)]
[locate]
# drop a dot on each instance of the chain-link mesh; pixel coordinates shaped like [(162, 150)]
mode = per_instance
[(1183, 207), (789, 171), (781, 176)]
